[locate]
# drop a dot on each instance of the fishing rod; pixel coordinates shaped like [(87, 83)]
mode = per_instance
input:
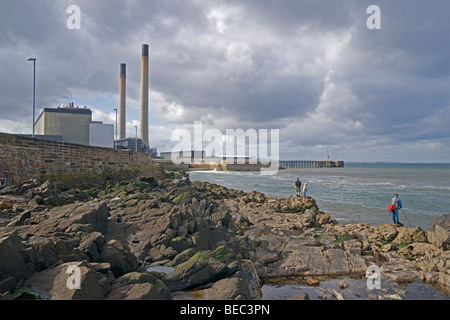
[(406, 217)]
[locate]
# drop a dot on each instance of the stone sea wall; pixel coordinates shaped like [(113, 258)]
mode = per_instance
[(23, 158)]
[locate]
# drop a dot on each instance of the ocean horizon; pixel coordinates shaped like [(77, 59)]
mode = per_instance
[(359, 192)]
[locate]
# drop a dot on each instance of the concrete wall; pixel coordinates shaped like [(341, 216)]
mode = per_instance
[(23, 158), (101, 134)]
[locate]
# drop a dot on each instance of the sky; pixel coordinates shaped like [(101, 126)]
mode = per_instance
[(312, 69)]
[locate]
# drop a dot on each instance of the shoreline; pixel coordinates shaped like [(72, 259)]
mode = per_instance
[(354, 194), (226, 239)]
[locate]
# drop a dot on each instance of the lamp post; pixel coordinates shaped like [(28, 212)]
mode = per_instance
[(115, 142), (34, 87), (136, 138)]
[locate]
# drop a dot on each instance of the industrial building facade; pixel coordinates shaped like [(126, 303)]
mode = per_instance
[(101, 134), (75, 125), (72, 124)]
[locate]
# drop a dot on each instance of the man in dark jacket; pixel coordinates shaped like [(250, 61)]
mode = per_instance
[(298, 185)]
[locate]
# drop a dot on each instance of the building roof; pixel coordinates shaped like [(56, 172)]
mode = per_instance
[(68, 110)]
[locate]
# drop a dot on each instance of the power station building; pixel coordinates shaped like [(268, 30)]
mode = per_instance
[(74, 125)]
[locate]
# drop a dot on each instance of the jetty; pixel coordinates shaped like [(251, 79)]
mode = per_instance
[(311, 164), (224, 166)]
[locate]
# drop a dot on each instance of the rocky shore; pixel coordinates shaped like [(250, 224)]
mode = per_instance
[(158, 239)]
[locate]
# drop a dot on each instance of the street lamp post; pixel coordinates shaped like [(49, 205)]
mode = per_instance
[(115, 143), (136, 139), (34, 88)]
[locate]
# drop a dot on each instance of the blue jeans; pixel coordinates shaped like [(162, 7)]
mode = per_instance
[(395, 216)]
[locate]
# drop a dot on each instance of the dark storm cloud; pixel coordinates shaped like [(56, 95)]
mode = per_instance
[(310, 68)]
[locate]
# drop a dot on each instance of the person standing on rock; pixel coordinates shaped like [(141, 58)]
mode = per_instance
[(298, 185), (398, 205), (305, 188)]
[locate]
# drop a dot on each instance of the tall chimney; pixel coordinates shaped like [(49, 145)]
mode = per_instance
[(122, 104), (144, 95)]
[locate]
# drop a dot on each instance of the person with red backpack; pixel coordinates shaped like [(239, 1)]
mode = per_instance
[(298, 185), (396, 204)]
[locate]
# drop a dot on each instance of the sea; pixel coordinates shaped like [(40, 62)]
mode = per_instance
[(358, 192)]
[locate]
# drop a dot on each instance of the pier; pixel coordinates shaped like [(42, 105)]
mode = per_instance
[(311, 164), (223, 166)]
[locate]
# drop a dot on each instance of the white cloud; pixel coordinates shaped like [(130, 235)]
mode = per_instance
[(221, 16), (240, 54), (336, 118), (241, 64)]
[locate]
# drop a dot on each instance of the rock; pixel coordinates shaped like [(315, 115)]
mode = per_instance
[(308, 219), (268, 248), (222, 216), (180, 244), (119, 257), (300, 260), (402, 276), (6, 296), (43, 194), (25, 186), (312, 282), (244, 285), (183, 256), (343, 284), (255, 196), (85, 217), (225, 238), (300, 296), (338, 295), (57, 283), (291, 205), (92, 245), (409, 235), (138, 286), (353, 247), (415, 250), (150, 180), (5, 205), (200, 238), (387, 232), (435, 271), (200, 269), (399, 270), (12, 263), (20, 219), (323, 219), (439, 232), (7, 285), (390, 297)]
